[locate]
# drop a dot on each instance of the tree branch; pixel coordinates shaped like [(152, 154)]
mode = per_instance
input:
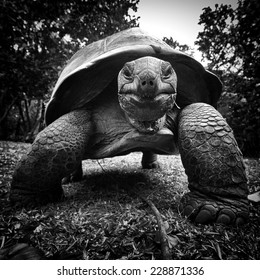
[(8, 109)]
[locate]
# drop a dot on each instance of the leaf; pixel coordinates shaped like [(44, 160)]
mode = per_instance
[(172, 241), (38, 229), (85, 255), (17, 226), (168, 228), (254, 197), (218, 250)]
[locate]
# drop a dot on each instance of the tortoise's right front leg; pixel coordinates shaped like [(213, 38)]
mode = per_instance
[(56, 152)]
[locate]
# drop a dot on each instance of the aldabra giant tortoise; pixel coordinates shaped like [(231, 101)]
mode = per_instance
[(119, 95)]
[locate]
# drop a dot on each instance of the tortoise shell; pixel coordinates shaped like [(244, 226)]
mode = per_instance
[(94, 67)]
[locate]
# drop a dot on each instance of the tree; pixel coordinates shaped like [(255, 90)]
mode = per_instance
[(177, 46), (231, 42), (37, 38)]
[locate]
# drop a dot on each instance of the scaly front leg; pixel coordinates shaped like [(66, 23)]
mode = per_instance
[(56, 152), (214, 166)]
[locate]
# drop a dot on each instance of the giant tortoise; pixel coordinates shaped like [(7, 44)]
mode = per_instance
[(132, 92)]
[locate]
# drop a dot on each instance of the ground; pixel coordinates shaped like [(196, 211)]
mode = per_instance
[(105, 216)]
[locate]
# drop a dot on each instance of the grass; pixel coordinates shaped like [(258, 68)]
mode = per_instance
[(103, 216)]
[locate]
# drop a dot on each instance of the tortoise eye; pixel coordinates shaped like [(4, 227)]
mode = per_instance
[(127, 72), (166, 71)]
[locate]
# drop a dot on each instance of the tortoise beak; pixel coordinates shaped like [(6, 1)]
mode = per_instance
[(146, 109), (147, 127), (145, 114)]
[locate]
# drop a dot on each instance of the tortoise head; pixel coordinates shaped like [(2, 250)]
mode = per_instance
[(146, 92)]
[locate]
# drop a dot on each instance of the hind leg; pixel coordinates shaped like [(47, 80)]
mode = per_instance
[(56, 152), (149, 160), (214, 166)]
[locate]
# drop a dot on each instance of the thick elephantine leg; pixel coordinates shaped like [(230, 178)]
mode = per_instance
[(149, 160), (214, 166), (56, 152)]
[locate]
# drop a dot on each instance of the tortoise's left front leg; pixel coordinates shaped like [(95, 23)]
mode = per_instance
[(214, 166)]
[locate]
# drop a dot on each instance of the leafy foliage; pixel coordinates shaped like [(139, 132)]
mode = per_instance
[(37, 39), (177, 46), (230, 42)]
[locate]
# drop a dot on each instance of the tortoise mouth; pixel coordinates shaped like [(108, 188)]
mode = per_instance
[(147, 115), (148, 127), (146, 109)]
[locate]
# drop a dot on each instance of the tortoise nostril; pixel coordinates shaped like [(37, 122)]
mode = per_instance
[(150, 83)]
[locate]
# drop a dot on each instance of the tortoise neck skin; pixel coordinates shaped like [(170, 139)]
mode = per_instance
[(146, 92)]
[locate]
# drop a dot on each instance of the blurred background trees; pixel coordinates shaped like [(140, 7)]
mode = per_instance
[(230, 42), (179, 47), (38, 37)]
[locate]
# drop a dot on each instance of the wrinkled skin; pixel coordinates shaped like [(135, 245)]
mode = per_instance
[(142, 117), (146, 92)]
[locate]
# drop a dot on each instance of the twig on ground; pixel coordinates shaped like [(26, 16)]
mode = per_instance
[(161, 228)]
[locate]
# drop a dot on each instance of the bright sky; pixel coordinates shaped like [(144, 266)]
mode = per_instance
[(175, 18)]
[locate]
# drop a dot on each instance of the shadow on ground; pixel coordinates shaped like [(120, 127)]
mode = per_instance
[(103, 216)]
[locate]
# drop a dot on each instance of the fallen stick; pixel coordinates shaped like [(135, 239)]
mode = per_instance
[(161, 227), (162, 232)]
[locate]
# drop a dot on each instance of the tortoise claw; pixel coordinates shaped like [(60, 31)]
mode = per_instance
[(205, 210), (75, 176)]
